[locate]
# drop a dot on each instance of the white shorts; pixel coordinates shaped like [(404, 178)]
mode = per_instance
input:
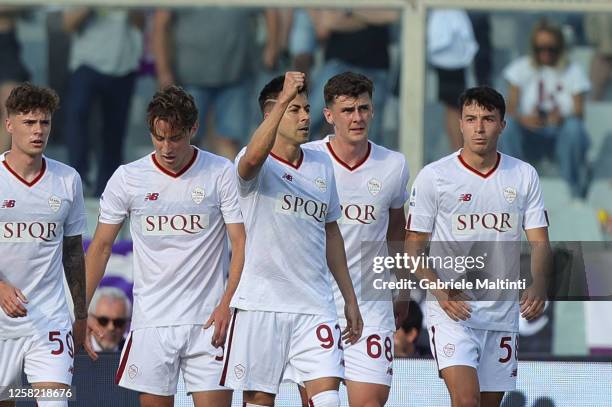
[(370, 360), (492, 353), (44, 357), (262, 346), (152, 357)]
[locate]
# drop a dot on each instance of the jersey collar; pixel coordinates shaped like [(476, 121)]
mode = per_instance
[(35, 180), (475, 171), (182, 171), (296, 166), (344, 164)]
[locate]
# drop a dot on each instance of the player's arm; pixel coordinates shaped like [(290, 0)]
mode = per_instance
[(73, 260), (160, 39), (263, 139), (395, 237), (336, 261), (452, 302), (534, 297), (221, 315), (98, 253)]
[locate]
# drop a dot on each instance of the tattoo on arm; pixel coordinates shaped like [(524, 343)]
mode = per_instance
[(73, 259)]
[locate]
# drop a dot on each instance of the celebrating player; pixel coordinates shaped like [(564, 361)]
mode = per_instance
[(181, 201), (479, 195), (285, 320), (42, 217), (371, 182)]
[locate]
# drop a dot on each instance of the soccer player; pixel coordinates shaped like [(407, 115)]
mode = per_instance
[(371, 182), (285, 320), (181, 202), (42, 219), (478, 195)]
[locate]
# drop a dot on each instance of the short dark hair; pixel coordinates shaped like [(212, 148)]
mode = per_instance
[(26, 98), (173, 105), (414, 318), (347, 84), (272, 89), (484, 96)]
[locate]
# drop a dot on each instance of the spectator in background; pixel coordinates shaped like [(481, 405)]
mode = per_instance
[(112, 309), (546, 105), (355, 40), (406, 336), (302, 41), (210, 51), (104, 58), (12, 70), (451, 48), (598, 29)]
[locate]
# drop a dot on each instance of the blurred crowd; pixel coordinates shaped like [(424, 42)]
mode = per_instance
[(222, 55)]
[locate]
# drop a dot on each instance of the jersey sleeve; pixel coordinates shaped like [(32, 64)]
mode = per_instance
[(402, 192), (334, 212), (76, 221), (247, 187), (423, 205), (228, 196), (535, 215), (114, 202)]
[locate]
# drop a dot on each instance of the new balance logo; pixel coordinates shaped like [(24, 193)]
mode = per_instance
[(465, 197), (288, 177), (151, 196), (8, 203)]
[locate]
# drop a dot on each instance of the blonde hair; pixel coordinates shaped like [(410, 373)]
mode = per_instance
[(544, 25)]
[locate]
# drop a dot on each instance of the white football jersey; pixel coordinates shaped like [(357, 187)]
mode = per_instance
[(177, 223), (367, 191), (34, 218), (285, 210), (459, 205)]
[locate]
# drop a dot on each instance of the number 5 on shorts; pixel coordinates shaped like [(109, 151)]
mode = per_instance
[(505, 344)]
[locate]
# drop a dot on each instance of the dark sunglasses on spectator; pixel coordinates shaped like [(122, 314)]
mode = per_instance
[(552, 50), (118, 322)]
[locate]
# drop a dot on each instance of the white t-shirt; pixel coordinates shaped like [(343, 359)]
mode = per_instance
[(34, 219), (545, 86), (459, 206), (285, 210), (367, 191), (177, 223), (450, 39)]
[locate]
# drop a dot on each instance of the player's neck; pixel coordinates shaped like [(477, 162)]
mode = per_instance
[(350, 153), (482, 163), (292, 153), (26, 166)]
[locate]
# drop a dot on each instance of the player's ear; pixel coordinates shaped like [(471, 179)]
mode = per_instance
[(503, 124), (194, 129), (8, 125), (328, 115)]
